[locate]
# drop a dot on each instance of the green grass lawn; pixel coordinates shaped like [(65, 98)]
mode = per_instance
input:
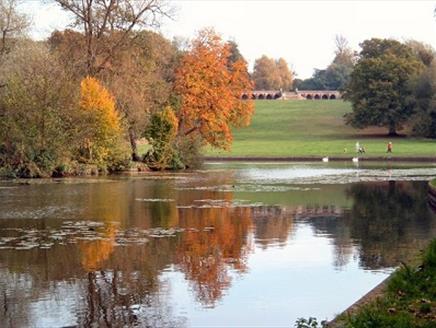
[(313, 128)]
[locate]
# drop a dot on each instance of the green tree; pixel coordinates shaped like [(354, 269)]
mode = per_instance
[(37, 114), (161, 134), (234, 53), (424, 120), (337, 75), (380, 87)]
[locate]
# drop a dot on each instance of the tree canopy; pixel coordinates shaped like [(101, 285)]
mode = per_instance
[(271, 74), (380, 88), (211, 92)]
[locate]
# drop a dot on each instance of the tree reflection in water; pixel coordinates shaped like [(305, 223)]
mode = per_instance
[(388, 222), (116, 285), (206, 257)]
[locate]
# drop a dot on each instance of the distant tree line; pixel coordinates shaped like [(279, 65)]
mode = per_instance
[(336, 75)]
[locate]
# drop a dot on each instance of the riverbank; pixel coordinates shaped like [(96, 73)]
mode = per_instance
[(406, 299), (417, 159)]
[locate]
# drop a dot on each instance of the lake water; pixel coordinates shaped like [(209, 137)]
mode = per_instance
[(232, 245)]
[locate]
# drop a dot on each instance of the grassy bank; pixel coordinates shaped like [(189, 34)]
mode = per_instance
[(314, 128), (409, 299)]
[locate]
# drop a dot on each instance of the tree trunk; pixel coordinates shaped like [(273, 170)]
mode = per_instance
[(134, 148), (392, 130)]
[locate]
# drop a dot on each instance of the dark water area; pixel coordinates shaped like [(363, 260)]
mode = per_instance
[(231, 245)]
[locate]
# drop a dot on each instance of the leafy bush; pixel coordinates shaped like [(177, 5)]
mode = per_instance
[(309, 323), (161, 134)]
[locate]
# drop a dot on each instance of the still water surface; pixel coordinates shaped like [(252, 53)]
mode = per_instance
[(241, 245)]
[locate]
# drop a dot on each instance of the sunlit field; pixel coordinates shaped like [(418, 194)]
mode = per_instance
[(314, 128)]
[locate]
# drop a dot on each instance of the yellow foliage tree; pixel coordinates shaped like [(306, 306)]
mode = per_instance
[(211, 88), (101, 128)]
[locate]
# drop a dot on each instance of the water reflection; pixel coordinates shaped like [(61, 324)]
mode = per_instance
[(117, 252)]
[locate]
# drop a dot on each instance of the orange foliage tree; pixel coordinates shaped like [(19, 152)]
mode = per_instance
[(101, 128), (210, 88)]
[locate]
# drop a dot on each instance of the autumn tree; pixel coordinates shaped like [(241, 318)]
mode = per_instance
[(265, 75), (423, 51), (98, 19), (109, 51), (101, 127), (211, 92), (285, 74), (380, 88), (140, 75), (12, 24), (270, 74), (142, 81)]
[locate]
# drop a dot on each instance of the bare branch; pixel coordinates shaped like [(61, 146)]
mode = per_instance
[(101, 19), (12, 23)]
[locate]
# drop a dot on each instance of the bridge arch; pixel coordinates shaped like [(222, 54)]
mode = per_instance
[(325, 97), (332, 97), (317, 97)]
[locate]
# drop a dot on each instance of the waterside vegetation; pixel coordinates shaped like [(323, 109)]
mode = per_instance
[(409, 299)]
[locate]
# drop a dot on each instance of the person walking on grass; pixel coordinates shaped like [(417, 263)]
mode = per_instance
[(389, 149)]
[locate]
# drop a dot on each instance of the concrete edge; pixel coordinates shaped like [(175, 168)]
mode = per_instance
[(369, 297)]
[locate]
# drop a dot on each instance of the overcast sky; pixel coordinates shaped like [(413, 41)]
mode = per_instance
[(302, 32)]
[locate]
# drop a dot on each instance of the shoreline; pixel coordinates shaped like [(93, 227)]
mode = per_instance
[(372, 295), (380, 289), (417, 159)]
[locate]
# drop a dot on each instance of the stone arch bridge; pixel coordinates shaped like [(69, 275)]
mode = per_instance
[(303, 94)]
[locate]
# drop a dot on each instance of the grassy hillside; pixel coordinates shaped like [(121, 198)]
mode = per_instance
[(314, 128)]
